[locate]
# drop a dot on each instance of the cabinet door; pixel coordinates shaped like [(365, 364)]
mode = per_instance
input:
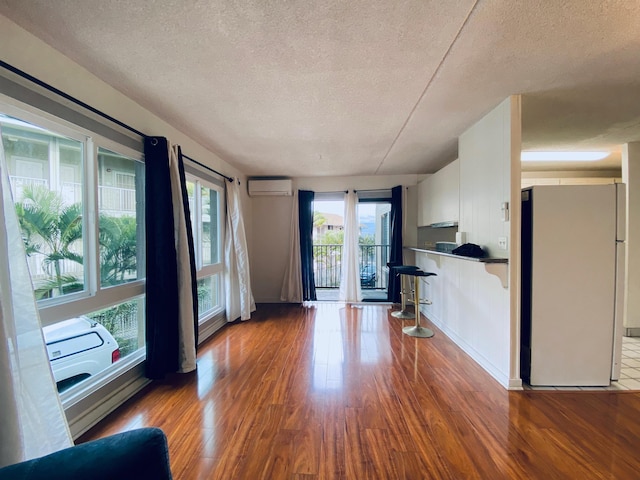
[(424, 203), (445, 194)]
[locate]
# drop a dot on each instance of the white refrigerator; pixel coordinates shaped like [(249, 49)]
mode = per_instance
[(572, 284)]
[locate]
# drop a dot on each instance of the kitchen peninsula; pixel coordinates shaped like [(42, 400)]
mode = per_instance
[(462, 285)]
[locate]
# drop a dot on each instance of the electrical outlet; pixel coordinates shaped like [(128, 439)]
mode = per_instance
[(502, 243)]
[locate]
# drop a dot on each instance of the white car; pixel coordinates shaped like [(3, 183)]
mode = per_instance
[(79, 348)]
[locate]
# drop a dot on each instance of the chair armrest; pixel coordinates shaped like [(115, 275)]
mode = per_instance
[(136, 454)]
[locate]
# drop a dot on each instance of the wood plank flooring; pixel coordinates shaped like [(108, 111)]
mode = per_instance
[(335, 392)]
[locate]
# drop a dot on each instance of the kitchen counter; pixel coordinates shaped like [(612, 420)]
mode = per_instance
[(472, 259)]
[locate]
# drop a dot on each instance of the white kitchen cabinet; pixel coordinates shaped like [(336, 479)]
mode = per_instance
[(424, 203), (439, 196)]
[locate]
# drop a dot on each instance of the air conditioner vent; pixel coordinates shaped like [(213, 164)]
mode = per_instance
[(261, 187)]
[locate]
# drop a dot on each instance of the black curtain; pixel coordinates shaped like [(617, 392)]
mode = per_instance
[(305, 215), (395, 253), (162, 293)]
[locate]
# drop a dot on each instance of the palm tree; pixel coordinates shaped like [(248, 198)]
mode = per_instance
[(51, 228), (318, 219), (118, 241)]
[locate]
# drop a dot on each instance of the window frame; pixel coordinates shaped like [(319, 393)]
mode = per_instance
[(205, 271), (93, 297)]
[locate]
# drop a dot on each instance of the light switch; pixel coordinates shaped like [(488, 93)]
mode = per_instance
[(502, 243), (504, 211)]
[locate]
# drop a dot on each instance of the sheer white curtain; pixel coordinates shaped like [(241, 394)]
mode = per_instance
[(292, 283), (186, 320), (350, 277), (239, 298), (32, 421)]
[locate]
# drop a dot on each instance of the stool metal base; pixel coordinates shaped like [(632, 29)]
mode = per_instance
[(418, 331), (404, 314)]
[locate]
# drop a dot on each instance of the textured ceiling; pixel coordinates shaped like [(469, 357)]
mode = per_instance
[(357, 87)]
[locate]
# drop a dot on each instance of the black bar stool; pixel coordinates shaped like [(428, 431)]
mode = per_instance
[(403, 270), (417, 330)]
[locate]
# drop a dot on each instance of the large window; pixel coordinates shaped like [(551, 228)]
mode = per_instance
[(206, 204), (119, 226), (46, 175), (80, 203)]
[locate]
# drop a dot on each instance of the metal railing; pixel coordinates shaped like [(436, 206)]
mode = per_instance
[(327, 265), (113, 200), (117, 200)]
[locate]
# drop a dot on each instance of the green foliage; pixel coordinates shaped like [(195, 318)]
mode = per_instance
[(318, 219), (366, 240), (50, 228), (118, 241), (113, 319), (331, 237)]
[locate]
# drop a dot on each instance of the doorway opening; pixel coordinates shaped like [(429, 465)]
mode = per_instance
[(328, 240)]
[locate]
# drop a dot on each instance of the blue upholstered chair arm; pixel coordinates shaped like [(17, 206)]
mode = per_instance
[(137, 454)]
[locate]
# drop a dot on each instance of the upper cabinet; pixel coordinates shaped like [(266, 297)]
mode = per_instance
[(424, 202), (439, 196)]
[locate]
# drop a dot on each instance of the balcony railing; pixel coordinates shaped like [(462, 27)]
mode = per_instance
[(327, 265), (112, 200)]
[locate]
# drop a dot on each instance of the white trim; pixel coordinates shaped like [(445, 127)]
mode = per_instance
[(515, 384), (90, 222), (114, 147), (46, 121), (81, 423), (102, 379), (209, 270), (210, 327), (104, 298), (491, 369)]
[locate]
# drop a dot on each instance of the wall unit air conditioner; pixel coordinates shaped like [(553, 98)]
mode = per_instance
[(261, 187)]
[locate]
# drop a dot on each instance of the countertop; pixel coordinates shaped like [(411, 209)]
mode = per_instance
[(472, 259)]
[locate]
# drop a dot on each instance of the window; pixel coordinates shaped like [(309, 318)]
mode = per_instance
[(205, 205), (119, 226), (88, 275), (45, 172)]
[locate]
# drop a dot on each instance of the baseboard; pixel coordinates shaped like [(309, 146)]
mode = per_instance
[(81, 422), (480, 359), (632, 332), (211, 327), (515, 384), (271, 300)]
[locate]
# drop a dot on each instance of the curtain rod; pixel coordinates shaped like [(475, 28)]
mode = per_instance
[(229, 179), (86, 106), (375, 190)]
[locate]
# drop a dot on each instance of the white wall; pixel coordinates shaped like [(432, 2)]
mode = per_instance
[(272, 219), (477, 309), (485, 179), (270, 249), (631, 176)]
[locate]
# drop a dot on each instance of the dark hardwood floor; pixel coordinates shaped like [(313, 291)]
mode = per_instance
[(335, 392)]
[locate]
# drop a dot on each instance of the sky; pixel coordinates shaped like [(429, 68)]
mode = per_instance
[(337, 207)]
